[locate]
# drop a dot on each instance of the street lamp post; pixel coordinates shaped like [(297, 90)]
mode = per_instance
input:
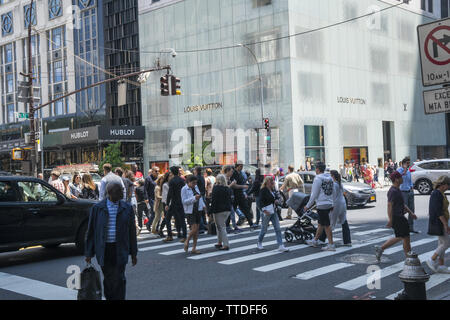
[(261, 87)]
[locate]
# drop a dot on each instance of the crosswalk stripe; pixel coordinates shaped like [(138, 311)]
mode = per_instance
[(264, 254), (364, 233), (413, 244), (290, 262), (34, 288), (168, 253), (362, 280), (219, 253), (231, 235), (321, 271), (435, 280)]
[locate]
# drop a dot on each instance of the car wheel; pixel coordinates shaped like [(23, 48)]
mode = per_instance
[(51, 246), (81, 236), (424, 187)]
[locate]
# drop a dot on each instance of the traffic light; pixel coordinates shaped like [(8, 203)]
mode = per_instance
[(176, 86), (165, 85), (266, 124)]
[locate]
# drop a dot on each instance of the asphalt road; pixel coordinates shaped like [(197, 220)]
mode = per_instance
[(165, 272)]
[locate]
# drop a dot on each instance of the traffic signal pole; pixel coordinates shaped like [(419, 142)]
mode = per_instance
[(31, 111)]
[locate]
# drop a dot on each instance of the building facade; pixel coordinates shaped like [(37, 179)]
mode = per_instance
[(74, 44), (351, 91)]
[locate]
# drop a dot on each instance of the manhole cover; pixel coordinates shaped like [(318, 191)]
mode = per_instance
[(363, 259)]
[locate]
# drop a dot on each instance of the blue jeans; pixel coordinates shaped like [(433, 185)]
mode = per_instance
[(258, 211), (239, 213), (233, 218), (276, 224)]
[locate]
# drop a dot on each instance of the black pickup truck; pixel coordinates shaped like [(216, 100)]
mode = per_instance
[(34, 213)]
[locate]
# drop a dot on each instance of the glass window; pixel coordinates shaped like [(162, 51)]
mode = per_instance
[(7, 192), (29, 13), (7, 23), (10, 108), (56, 38), (59, 106), (9, 83), (57, 71), (54, 9), (437, 165), (36, 192), (314, 143), (8, 53)]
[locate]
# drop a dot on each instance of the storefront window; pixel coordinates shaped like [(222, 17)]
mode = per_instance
[(357, 155), (314, 144)]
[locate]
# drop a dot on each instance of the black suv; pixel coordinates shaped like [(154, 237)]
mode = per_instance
[(34, 213)]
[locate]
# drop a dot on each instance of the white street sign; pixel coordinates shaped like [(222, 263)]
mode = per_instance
[(434, 42), (437, 101)]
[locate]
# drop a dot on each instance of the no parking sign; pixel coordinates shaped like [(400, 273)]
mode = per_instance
[(434, 42)]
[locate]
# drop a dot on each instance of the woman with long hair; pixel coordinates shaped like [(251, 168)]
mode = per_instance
[(339, 213), (75, 186), (165, 191), (67, 192), (89, 188), (267, 202), (158, 205)]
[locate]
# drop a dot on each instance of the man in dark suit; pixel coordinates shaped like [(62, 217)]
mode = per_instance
[(175, 206), (111, 237)]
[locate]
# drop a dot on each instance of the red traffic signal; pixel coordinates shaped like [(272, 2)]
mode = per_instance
[(266, 124), (165, 85)]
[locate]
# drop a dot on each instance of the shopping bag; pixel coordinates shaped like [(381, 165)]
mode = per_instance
[(91, 287), (212, 228)]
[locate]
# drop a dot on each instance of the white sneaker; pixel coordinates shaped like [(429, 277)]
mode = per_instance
[(260, 246), (283, 249), (443, 269), (433, 264), (322, 243), (330, 247), (312, 243)]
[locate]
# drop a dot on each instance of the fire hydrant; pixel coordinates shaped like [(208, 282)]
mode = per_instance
[(414, 278)]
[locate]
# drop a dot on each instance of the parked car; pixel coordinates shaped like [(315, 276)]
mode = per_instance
[(356, 194), (34, 213), (424, 173)]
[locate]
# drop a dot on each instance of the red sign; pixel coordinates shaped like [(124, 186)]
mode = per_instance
[(441, 43)]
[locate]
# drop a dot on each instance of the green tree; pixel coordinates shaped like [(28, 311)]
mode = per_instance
[(113, 156), (198, 159)]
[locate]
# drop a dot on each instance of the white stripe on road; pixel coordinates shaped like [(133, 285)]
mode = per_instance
[(199, 240), (323, 254), (362, 280), (209, 245), (264, 254), (414, 244), (219, 253), (435, 280), (363, 233), (36, 289), (321, 271)]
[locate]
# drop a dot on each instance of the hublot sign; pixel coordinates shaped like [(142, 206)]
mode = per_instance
[(121, 133)]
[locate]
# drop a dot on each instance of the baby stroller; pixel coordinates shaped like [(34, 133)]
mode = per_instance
[(303, 229)]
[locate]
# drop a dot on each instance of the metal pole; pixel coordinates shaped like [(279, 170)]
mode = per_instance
[(30, 99), (261, 87)]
